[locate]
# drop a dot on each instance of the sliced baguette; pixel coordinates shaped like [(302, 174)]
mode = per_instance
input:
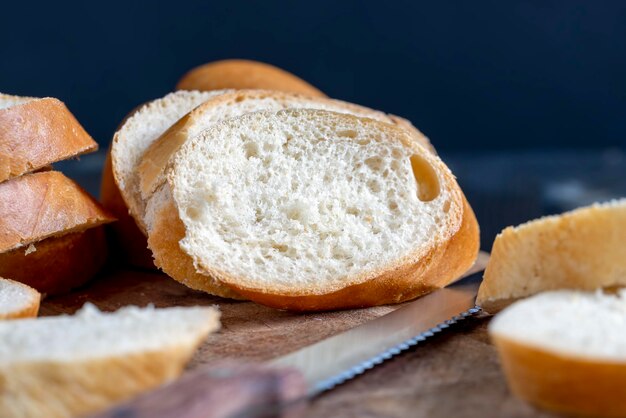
[(37, 206), (57, 264), (244, 74), (75, 365), (17, 300), (566, 351), (582, 249), (229, 105), (136, 134), (165, 229), (315, 210), (36, 133)]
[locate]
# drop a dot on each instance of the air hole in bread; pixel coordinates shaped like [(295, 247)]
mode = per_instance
[(252, 150), (374, 186), (446, 206), (193, 212), (428, 187), (375, 163), (347, 133)]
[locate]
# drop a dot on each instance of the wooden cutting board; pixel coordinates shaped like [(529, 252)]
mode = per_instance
[(454, 373)]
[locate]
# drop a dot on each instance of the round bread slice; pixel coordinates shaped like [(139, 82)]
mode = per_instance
[(229, 105), (314, 210), (244, 74), (136, 134), (582, 249), (36, 133), (17, 300), (40, 205), (66, 366), (566, 351)]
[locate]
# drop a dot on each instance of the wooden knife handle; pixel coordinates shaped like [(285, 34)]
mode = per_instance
[(220, 391)]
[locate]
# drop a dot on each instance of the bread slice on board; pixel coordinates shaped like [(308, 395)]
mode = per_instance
[(566, 351), (37, 206), (136, 134), (67, 366), (313, 210), (57, 264), (582, 249), (160, 219), (229, 105), (36, 133), (17, 300), (244, 74)]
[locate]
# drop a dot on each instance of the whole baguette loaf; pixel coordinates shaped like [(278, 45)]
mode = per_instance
[(35, 133), (314, 210), (565, 351), (37, 206), (65, 366), (244, 74), (17, 300), (582, 249)]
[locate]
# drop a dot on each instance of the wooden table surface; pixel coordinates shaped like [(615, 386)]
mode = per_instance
[(455, 373)]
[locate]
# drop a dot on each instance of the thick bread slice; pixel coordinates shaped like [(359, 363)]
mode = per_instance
[(37, 132), (131, 246), (17, 300), (229, 105), (312, 210), (57, 264), (66, 366), (136, 134), (582, 249), (36, 206), (566, 351), (244, 74)]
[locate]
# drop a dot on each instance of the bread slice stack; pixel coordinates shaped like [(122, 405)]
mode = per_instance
[(371, 215), (50, 234), (65, 366)]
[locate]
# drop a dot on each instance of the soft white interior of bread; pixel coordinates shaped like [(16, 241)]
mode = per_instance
[(583, 324), (309, 199), (235, 104), (91, 334), (140, 130), (6, 100), (15, 296)]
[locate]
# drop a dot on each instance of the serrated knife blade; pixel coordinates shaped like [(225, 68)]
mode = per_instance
[(342, 357)]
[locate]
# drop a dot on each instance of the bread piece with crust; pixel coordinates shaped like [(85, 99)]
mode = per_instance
[(57, 264), (37, 206), (17, 300), (153, 164), (244, 74), (66, 366), (36, 132), (136, 134), (316, 210), (582, 249), (163, 226), (565, 351)]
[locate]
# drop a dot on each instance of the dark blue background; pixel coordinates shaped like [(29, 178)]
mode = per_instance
[(472, 75)]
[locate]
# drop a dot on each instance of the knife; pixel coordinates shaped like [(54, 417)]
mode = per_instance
[(280, 386)]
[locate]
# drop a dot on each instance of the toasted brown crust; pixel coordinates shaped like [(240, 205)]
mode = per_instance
[(244, 74), (40, 205), (166, 232), (57, 264), (438, 268), (562, 383), (131, 245), (37, 133), (29, 311)]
